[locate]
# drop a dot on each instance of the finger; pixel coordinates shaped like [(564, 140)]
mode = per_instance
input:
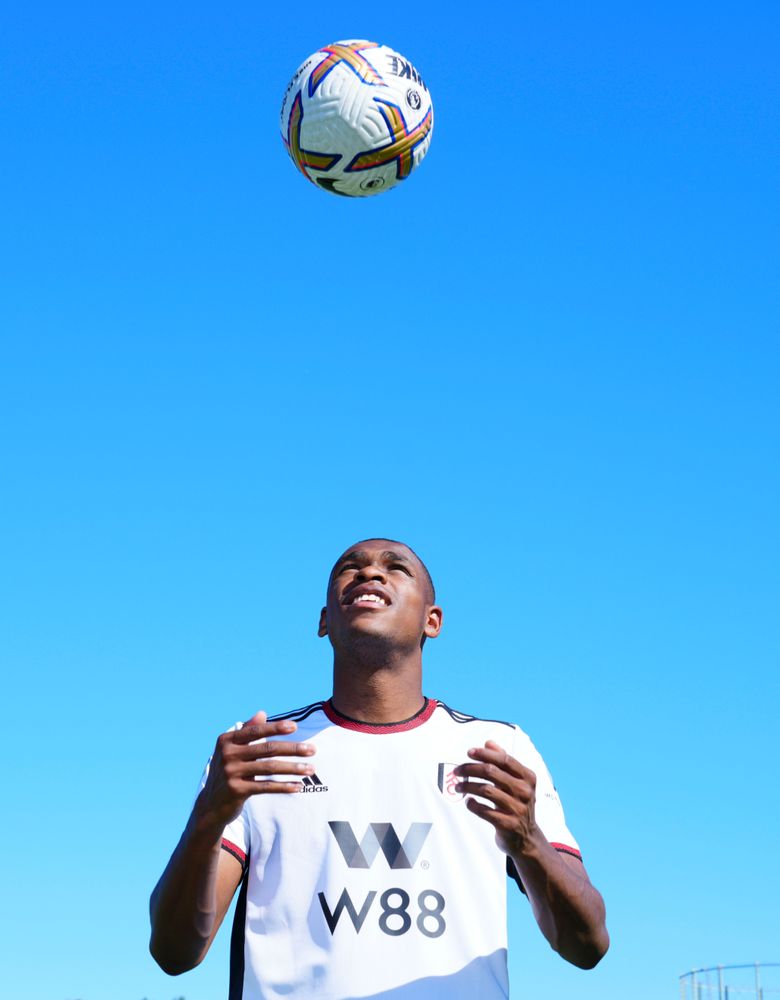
[(271, 787), (495, 775), (276, 748), (500, 820), (263, 767), (492, 753), (262, 730), (484, 790), (492, 745)]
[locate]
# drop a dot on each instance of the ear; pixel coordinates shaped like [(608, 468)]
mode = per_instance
[(433, 622), (323, 629)]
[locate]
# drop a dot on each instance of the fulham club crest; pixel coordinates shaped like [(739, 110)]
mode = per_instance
[(447, 782)]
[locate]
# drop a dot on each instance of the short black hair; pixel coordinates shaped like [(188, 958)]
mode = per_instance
[(395, 541)]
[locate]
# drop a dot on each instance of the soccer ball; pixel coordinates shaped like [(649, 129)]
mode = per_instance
[(356, 118)]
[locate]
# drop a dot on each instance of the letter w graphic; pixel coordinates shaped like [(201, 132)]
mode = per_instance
[(380, 836)]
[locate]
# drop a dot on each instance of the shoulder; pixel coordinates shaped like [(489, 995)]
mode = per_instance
[(295, 714), (298, 714), (521, 746), (464, 718)]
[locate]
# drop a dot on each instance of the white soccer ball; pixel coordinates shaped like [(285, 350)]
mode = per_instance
[(356, 118)]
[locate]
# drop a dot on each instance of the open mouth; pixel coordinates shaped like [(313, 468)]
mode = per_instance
[(365, 597)]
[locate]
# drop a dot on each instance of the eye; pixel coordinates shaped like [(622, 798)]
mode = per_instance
[(343, 568), (404, 569)]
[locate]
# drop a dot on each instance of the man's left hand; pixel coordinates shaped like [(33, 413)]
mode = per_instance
[(569, 911), (510, 791)]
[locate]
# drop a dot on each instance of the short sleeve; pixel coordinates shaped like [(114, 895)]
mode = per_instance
[(549, 811), (235, 837)]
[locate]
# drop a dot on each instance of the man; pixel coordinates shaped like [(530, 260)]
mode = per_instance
[(371, 834)]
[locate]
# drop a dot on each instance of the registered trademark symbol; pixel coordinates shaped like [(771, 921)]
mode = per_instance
[(425, 865)]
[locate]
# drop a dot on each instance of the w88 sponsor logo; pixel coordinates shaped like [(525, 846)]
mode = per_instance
[(394, 903), (394, 917)]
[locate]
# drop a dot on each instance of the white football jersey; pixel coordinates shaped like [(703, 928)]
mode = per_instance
[(377, 881)]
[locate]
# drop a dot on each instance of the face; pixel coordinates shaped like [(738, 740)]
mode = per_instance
[(379, 588)]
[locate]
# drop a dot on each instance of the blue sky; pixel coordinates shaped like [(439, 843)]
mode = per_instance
[(549, 361)]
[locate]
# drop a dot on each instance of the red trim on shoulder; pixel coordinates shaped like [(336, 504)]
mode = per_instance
[(234, 849), (381, 728), (565, 849)]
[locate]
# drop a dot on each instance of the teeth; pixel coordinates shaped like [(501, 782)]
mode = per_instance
[(370, 598)]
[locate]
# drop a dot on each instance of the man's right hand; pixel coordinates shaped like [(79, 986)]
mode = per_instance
[(194, 892), (245, 763)]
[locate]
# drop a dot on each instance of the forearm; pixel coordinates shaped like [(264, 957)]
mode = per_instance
[(190, 900), (568, 909), (183, 906)]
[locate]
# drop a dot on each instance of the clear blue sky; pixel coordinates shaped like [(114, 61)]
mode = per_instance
[(549, 361)]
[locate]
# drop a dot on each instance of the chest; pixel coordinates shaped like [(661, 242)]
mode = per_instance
[(374, 804)]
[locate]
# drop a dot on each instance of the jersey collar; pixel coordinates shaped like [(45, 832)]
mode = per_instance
[(380, 728)]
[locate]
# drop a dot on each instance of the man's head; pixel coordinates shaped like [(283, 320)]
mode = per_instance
[(380, 591)]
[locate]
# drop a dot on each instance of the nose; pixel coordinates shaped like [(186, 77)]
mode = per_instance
[(371, 571)]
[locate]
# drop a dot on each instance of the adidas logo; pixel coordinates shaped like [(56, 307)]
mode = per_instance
[(311, 783)]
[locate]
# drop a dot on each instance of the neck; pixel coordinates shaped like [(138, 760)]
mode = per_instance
[(370, 692)]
